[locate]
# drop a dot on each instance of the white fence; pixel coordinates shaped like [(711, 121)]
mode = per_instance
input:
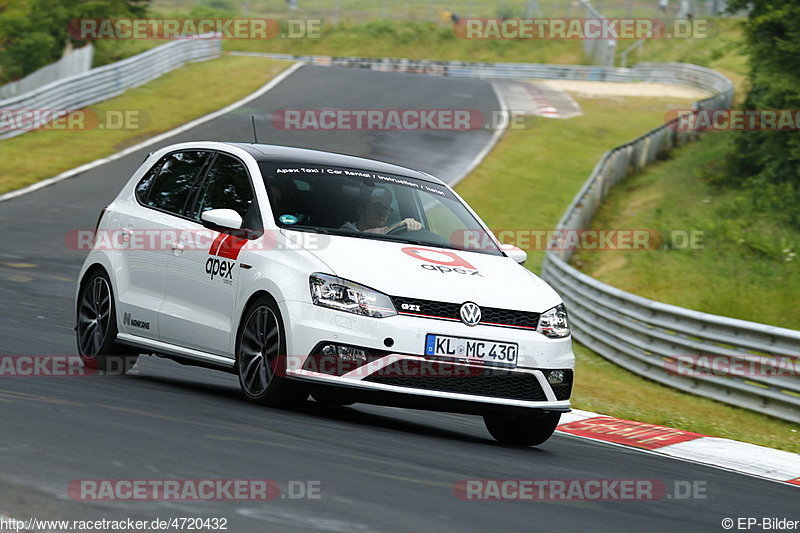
[(102, 83), (76, 62)]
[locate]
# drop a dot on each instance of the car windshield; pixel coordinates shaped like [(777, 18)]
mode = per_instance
[(373, 205)]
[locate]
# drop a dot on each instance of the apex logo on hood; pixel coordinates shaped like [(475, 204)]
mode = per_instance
[(443, 261)]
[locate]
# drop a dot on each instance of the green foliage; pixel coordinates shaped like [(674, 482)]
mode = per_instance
[(34, 33), (214, 9), (768, 163)]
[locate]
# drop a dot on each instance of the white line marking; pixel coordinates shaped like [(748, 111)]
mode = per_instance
[(492, 142)]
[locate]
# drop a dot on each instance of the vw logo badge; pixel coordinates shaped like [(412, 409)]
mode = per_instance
[(470, 314)]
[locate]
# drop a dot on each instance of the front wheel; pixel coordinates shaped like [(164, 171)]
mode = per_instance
[(261, 357), (97, 327), (522, 429)]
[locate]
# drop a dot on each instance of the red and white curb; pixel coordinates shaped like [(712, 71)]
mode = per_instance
[(543, 105), (760, 461)]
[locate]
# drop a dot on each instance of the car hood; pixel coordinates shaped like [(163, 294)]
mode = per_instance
[(431, 273)]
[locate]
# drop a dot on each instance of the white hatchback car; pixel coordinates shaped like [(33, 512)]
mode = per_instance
[(307, 272)]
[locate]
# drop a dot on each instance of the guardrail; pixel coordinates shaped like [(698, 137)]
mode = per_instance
[(644, 336), (663, 342), (108, 81), (673, 73), (75, 62)]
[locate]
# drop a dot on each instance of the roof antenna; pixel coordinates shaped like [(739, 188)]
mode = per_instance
[(255, 135)]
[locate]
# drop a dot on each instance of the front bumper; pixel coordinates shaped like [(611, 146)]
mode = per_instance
[(400, 340)]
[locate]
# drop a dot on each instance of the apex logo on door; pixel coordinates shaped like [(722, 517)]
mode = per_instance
[(227, 247), (443, 261)]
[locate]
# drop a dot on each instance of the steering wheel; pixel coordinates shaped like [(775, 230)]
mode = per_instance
[(402, 228)]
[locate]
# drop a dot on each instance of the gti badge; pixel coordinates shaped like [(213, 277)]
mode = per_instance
[(470, 314)]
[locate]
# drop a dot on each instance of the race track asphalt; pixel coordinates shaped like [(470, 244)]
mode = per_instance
[(378, 469)]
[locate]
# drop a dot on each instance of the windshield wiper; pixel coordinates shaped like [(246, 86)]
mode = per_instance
[(312, 229)]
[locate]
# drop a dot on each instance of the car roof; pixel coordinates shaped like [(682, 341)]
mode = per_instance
[(290, 154)]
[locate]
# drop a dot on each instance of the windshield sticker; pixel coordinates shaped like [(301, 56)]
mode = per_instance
[(288, 219), (353, 173)]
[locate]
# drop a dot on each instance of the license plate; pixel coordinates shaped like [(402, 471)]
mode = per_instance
[(475, 350)]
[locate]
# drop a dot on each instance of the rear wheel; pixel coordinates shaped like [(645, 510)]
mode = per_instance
[(522, 429), (261, 357), (97, 327)]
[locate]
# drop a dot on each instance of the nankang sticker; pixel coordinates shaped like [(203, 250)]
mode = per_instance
[(288, 219), (132, 322)]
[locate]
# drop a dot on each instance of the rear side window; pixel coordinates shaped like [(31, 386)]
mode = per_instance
[(169, 185), (227, 186)]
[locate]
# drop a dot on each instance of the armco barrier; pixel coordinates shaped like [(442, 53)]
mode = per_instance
[(650, 338), (641, 335), (76, 62), (111, 80)]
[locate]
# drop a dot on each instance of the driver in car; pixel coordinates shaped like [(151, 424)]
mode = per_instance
[(373, 212)]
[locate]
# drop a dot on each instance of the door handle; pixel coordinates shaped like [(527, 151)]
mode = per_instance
[(177, 248)]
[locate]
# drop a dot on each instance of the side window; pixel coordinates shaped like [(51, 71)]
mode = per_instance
[(227, 186), (143, 187), (174, 181)]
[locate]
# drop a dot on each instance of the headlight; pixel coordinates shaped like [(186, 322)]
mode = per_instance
[(554, 323), (343, 295)]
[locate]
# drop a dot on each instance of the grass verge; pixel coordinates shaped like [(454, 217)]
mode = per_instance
[(750, 253), (415, 40), (165, 103), (526, 183), (723, 51)]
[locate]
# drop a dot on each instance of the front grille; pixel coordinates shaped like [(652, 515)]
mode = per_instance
[(564, 390), (485, 382), (490, 316)]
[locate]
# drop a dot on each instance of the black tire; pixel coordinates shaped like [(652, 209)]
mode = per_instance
[(96, 328), (332, 398), (522, 429), (261, 357)]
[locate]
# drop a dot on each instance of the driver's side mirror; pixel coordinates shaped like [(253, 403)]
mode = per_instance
[(517, 254), (221, 219)]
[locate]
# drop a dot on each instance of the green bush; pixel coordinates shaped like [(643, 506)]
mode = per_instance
[(767, 164)]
